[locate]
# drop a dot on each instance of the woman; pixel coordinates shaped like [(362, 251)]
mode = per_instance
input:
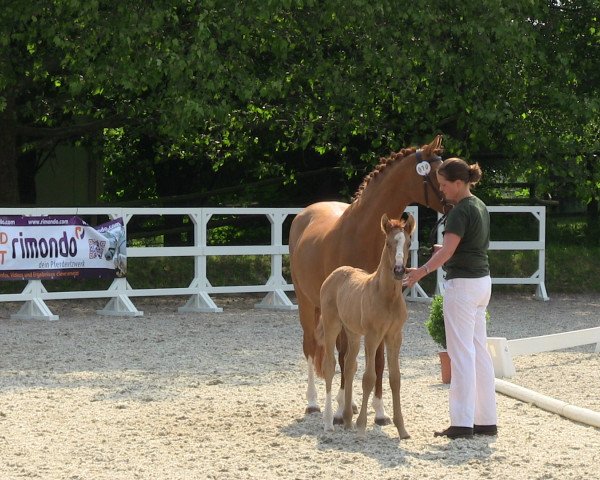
[(468, 286)]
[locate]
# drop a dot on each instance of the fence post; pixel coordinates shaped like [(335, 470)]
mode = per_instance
[(276, 299), (540, 292), (120, 305), (34, 309), (416, 292), (200, 302), (501, 357)]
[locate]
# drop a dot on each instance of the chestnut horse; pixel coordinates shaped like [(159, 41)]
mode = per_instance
[(327, 235), (369, 305)]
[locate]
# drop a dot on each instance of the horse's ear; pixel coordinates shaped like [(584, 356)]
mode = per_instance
[(435, 147), (384, 222), (409, 226)]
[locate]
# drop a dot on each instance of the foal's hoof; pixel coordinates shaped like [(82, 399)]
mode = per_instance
[(338, 421), (383, 421), (310, 410)]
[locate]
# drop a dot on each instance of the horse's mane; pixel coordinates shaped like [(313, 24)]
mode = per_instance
[(383, 163)]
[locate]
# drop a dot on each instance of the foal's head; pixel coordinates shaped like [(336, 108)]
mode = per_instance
[(397, 241)]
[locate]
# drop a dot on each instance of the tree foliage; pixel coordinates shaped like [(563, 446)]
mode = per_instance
[(562, 122), (200, 95)]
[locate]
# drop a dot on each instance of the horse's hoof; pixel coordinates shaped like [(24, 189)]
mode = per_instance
[(404, 436), (338, 421), (310, 410), (382, 422), (354, 409)]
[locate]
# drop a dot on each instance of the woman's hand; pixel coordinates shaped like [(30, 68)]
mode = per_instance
[(412, 276), (441, 253)]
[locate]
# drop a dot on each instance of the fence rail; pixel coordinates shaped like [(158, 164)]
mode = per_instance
[(200, 289)]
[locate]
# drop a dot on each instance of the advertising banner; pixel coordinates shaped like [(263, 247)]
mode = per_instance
[(54, 247)]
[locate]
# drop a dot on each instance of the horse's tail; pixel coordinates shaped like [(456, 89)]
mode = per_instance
[(319, 355)]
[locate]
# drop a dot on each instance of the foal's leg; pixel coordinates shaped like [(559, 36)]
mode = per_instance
[(350, 369), (380, 416), (342, 346), (368, 380), (393, 343)]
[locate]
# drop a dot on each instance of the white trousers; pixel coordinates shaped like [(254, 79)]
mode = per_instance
[(472, 396)]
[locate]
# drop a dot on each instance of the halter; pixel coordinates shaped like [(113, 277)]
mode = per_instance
[(427, 179), (427, 182)]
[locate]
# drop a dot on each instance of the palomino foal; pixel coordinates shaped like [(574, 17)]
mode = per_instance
[(369, 305)]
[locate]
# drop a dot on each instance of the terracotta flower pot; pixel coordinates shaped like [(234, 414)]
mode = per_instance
[(445, 364)]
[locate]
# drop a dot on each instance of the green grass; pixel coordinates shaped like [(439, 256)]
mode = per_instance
[(573, 268)]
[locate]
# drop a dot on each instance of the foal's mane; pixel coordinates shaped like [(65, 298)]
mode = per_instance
[(396, 224), (383, 163)]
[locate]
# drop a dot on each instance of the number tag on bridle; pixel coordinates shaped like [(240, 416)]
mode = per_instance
[(423, 168)]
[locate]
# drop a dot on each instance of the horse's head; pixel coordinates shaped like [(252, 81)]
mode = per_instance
[(427, 161), (398, 235), (405, 177)]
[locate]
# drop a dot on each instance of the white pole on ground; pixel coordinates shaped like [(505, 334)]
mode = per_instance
[(564, 409)]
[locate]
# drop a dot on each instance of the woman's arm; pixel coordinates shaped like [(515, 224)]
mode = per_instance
[(441, 256)]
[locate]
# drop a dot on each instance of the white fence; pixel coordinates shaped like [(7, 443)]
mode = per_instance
[(200, 289), (120, 291)]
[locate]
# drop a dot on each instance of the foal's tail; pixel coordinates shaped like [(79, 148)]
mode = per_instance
[(319, 348)]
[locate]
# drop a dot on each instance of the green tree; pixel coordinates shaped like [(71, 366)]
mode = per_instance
[(562, 121), (236, 90), (71, 68)]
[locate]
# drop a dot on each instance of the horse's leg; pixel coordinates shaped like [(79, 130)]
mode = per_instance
[(350, 369), (393, 343), (368, 380), (331, 329), (309, 317), (312, 403), (380, 416)]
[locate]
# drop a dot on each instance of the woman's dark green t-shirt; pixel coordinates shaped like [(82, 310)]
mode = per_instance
[(470, 220)]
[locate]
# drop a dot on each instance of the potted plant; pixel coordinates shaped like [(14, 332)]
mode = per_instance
[(437, 331)]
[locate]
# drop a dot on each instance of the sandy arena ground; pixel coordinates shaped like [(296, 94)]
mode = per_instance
[(221, 396)]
